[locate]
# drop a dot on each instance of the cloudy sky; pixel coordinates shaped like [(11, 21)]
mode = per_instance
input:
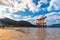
[(30, 10)]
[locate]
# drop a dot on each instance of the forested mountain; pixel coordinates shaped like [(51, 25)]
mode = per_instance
[(12, 23)]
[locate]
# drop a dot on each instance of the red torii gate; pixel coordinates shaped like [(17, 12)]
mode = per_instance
[(41, 31), (41, 22)]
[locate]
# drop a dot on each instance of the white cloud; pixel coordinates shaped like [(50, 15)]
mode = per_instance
[(37, 17), (55, 4), (53, 18), (14, 5), (20, 5), (31, 19), (43, 1), (26, 18), (40, 2), (11, 16)]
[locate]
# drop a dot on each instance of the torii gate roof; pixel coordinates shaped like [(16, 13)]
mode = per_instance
[(42, 18)]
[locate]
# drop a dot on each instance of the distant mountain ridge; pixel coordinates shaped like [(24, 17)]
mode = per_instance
[(6, 19), (54, 26), (10, 22)]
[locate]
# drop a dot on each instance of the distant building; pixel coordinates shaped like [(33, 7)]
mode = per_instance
[(41, 22)]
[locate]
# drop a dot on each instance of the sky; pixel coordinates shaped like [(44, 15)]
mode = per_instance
[(30, 10)]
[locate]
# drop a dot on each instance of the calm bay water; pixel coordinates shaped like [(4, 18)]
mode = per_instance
[(43, 33), (53, 33), (33, 33)]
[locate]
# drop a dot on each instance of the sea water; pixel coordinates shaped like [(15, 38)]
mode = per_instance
[(40, 33)]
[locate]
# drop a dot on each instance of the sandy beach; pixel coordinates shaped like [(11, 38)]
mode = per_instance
[(6, 34)]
